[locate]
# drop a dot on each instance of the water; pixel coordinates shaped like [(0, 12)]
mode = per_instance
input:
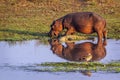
[(15, 56)]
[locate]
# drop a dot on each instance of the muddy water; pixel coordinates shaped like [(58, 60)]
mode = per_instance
[(15, 56)]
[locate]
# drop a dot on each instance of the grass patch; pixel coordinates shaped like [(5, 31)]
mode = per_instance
[(30, 19), (83, 66)]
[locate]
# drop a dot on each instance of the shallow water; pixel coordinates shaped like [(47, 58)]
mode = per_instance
[(15, 56)]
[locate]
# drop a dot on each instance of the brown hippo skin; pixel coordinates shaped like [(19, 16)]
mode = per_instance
[(84, 22), (86, 51)]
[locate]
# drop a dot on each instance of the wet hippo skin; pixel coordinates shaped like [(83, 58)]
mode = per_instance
[(83, 22)]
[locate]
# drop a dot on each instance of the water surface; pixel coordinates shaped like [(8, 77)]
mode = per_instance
[(15, 56)]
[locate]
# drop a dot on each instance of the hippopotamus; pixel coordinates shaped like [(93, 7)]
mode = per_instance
[(85, 51), (83, 22)]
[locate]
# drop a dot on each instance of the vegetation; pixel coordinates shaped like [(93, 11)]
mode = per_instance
[(77, 66), (30, 19)]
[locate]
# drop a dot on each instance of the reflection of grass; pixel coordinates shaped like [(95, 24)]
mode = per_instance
[(75, 66)]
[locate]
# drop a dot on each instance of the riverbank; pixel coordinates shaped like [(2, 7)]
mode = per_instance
[(31, 19)]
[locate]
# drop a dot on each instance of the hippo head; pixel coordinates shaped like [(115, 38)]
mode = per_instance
[(56, 46), (56, 28)]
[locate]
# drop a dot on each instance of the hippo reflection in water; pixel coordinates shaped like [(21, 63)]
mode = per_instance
[(86, 51)]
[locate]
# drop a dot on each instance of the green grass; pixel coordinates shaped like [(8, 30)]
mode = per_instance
[(31, 19), (79, 66)]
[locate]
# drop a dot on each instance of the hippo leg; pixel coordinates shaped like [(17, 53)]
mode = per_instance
[(101, 30), (100, 36), (105, 34)]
